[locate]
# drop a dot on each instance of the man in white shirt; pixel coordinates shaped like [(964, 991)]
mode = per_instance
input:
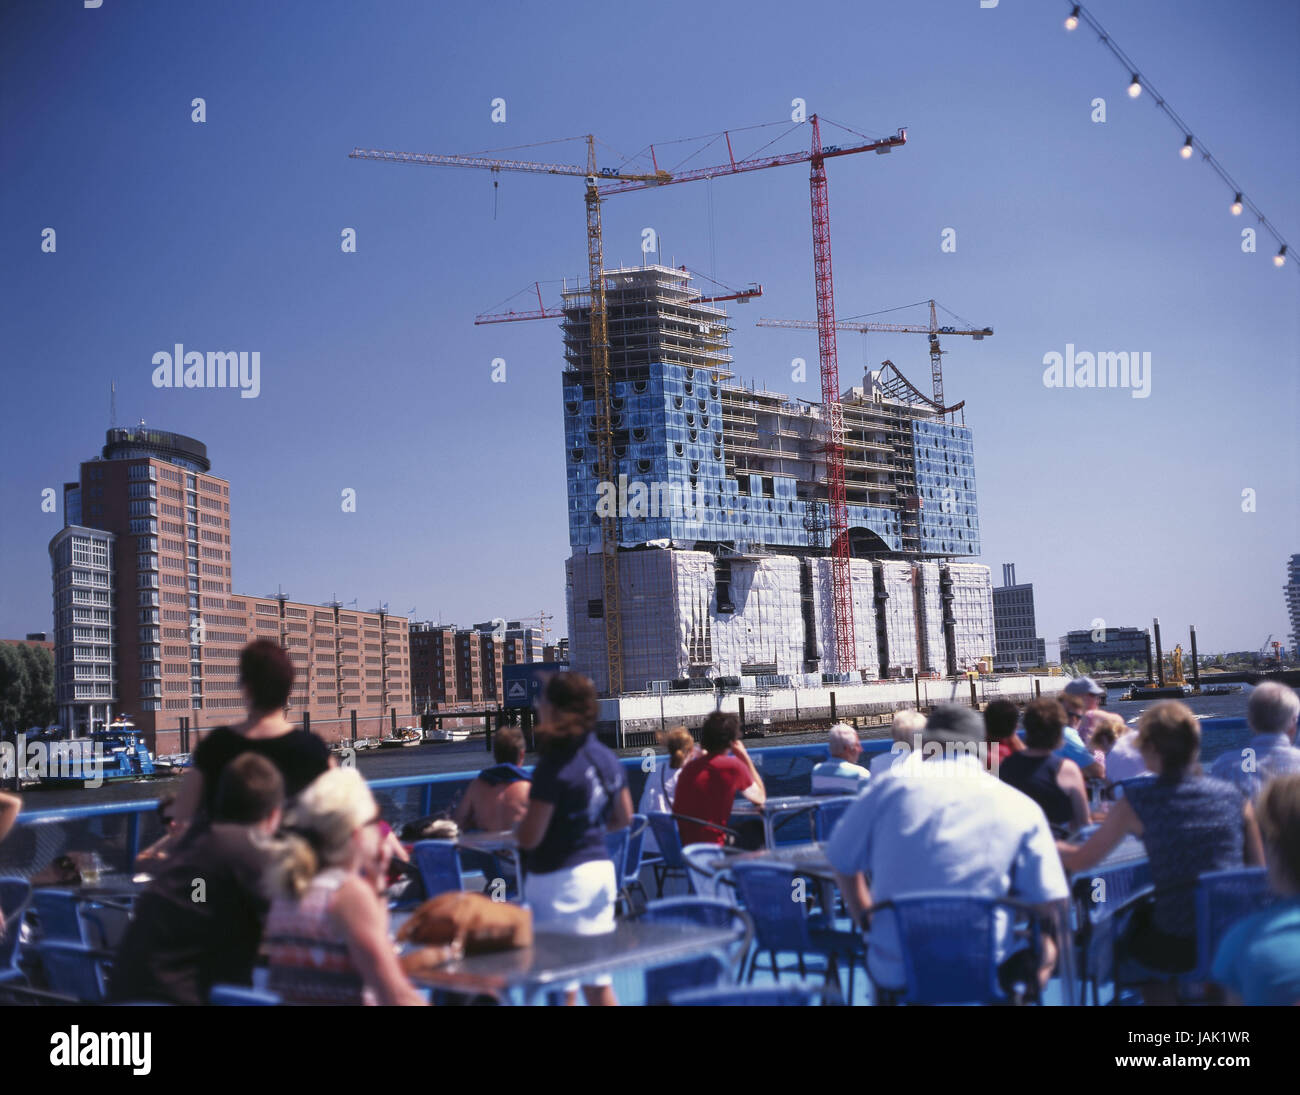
[(842, 774), (906, 725), (1271, 713), (944, 823)]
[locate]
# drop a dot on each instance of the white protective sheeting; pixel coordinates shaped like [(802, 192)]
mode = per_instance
[(972, 609)]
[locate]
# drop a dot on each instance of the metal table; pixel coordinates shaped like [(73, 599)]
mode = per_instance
[(501, 842), (554, 960), (808, 859), (774, 808)]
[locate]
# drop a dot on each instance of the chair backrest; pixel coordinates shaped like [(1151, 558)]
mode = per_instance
[(635, 844), (438, 862), (664, 827), (949, 945), (15, 893), (616, 844), (1223, 898), (64, 917), (662, 982), (242, 996), (767, 892), (828, 814), (74, 969), (1102, 890), (791, 994)]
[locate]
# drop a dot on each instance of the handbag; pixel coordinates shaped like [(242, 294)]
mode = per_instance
[(470, 923)]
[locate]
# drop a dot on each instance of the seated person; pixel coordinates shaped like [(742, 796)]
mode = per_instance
[(708, 785), (200, 922), (327, 935), (842, 774), (1189, 824), (1271, 713), (1072, 746), (1055, 784), (1258, 961), (1125, 760), (151, 856), (942, 822), (1001, 718), (661, 785), (904, 730), (497, 797)]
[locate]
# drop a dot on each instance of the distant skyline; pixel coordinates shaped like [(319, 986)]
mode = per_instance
[(1072, 236)]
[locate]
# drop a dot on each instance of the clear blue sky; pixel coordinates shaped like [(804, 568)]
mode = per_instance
[(226, 236)]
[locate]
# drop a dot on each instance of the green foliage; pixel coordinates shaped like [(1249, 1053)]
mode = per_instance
[(26, 686)]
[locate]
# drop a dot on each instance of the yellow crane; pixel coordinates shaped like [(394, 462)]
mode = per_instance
[(605, 463)]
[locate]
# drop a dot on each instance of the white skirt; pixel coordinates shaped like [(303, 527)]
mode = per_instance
[(574, 900)]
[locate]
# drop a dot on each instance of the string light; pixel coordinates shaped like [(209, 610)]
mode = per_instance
[(1079, 13)]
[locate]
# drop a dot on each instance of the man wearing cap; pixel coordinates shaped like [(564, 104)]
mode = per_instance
[(1081, 695), (842, 774), (942, 822)]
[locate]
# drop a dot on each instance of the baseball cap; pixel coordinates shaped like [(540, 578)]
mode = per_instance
[(953, 723), (1084, 686)]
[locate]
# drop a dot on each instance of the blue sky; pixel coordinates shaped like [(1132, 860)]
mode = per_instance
[(226, 235)]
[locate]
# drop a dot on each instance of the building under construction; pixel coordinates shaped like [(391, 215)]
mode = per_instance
[(721, 503)]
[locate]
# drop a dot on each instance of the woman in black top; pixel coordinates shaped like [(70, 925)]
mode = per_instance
[(1053, 782), (266, 678)]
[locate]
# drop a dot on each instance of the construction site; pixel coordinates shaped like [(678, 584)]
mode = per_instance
[(728, 539)]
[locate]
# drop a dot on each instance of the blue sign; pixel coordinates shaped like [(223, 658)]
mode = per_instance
[(523, 683)]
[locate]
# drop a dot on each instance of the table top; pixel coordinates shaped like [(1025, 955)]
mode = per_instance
[(501, 840), (557, 959), (810, 858), (114, 884), (781, 804)]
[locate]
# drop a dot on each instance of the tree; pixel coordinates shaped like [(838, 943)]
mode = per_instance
[(26, 686)]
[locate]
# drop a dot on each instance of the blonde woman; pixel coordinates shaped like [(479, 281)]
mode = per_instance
[(660, 785), (327, 935)]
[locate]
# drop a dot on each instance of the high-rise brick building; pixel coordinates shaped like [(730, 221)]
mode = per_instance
[(142, 583)]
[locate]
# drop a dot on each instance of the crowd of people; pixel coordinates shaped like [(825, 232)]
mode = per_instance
[(274, 855)]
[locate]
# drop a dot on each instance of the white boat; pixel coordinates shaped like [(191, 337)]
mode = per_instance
[(447, 735)]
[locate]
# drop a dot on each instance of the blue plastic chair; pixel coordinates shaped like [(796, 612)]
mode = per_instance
[(242, 996), (791, 994), (438, 862), (668, 837), (782, 925), (948, 943), (1223, 898), (15, 893), (624, 847), (709, 970), (1102, 899), (75, 970), (66, 917), (828, 814)]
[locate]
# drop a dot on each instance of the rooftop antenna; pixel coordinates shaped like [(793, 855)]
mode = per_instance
[(112, 405)]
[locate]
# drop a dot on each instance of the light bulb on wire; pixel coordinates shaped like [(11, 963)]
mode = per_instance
[(1280, 258), (1236, 206), (1072, 20), (1186, 151), (1135, 88)]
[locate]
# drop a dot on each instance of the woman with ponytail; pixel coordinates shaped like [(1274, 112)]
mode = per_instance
[(327, 934), (579, 792)]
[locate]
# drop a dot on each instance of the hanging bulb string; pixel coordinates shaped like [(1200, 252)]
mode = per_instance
[(1080, 13)]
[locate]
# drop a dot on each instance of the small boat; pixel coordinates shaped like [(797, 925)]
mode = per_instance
[(444, 734), (173, 762), (117, 752), (404, 737), (1168, 692), (1221, 690)]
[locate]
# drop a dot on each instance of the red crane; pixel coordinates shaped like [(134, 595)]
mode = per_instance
[(841, 587)]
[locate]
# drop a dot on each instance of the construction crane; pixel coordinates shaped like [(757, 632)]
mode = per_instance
[(838, 515), (933, 331), (542, 311), (604, 182), (606, 467)]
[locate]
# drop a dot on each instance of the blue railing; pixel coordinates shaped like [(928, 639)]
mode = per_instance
[(118, 830)]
